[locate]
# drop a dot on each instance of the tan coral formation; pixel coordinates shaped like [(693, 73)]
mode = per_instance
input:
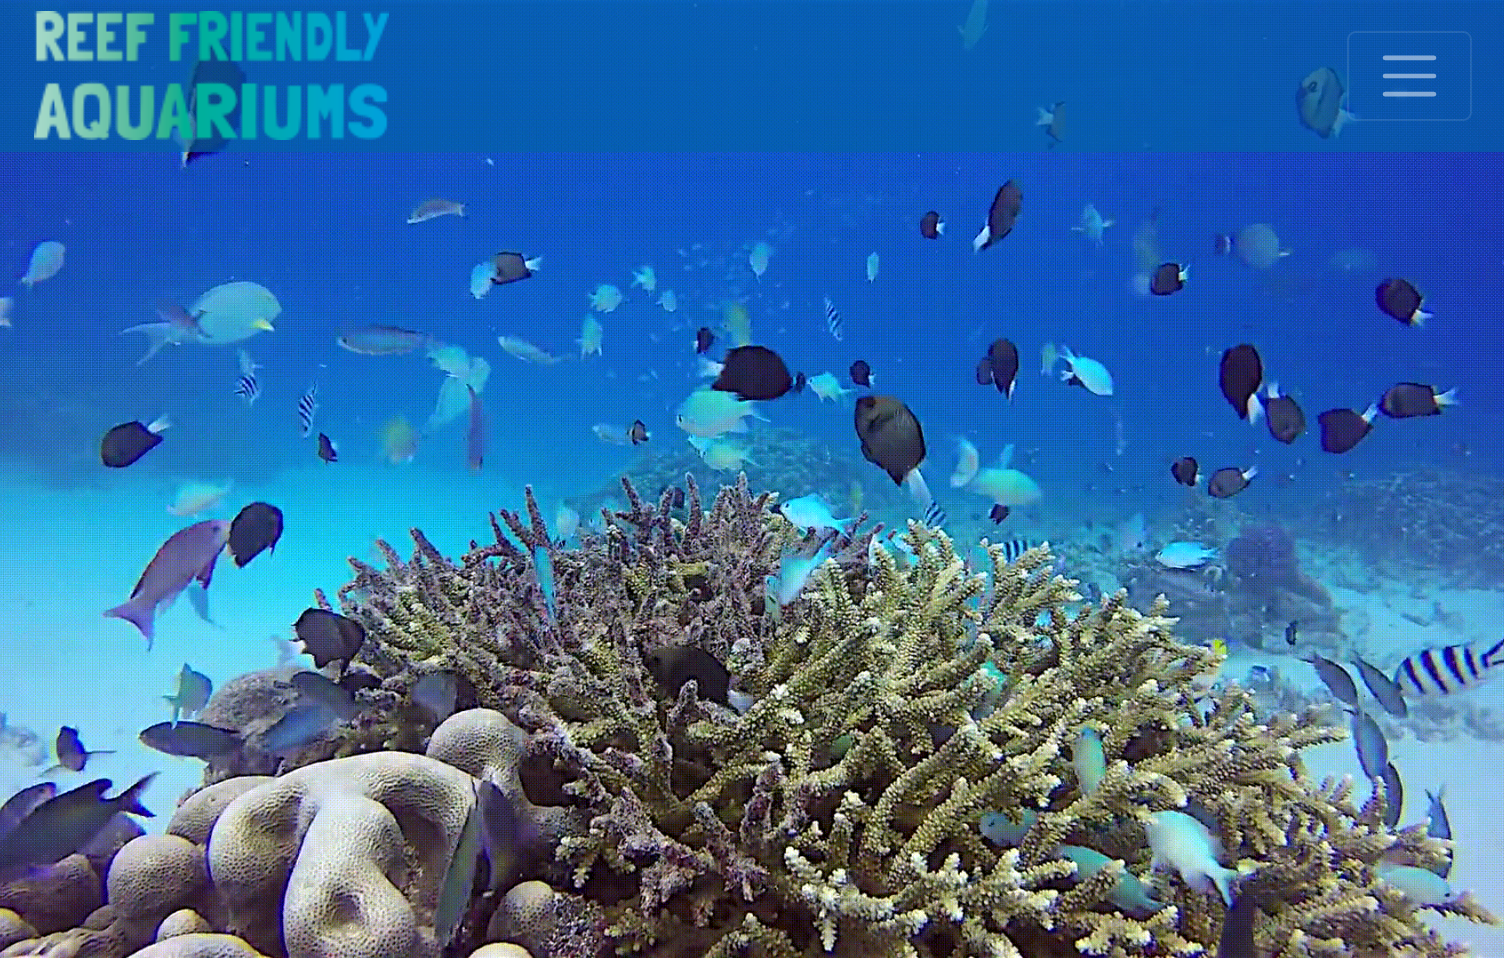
[(839, 814), (893, 706)]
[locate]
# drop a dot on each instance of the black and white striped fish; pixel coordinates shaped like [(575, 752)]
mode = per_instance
[(934, 515), (1452, 668), (832, 319), (1014, 548), (307, 406), (247, 387)]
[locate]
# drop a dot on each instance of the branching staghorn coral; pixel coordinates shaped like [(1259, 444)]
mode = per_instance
[(839, 814)]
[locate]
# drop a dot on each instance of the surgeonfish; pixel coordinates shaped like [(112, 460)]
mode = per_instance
[(1256, 245), (1001, 216), (1319, 103), (1450, 669), (1399, 299)]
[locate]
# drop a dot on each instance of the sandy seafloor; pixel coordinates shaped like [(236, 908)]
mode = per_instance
[(72, 550)]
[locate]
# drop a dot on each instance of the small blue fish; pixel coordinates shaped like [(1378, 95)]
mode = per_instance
[(1089, 760), (1373, 748), (794, 572), (307, 406), (543, 566)]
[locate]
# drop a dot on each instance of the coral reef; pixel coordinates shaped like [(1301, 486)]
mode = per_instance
[(893, 705), (1443, 521)]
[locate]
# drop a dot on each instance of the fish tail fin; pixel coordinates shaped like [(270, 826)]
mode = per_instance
[(160, 424), (1255, 409), (535, 264), (130, 799), (138, 613), (940, 227), (177, 706), (1045, 117), (1107, 223), (1420, 317)]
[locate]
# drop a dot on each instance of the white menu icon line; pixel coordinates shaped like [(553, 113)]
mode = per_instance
[(1423, 57)]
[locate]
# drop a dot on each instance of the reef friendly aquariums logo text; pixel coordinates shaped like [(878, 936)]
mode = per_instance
[(216, 102)]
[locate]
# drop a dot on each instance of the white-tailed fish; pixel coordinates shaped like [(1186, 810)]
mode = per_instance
[(307, 406)]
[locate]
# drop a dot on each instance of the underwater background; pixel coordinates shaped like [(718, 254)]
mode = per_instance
[(1403, 533)]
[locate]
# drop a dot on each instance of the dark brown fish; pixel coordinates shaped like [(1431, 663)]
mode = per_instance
[(511, 267), (1185, 470), (1394, 796), (1002, 356), (674, 666), (1230, 481), (997, 513), (1407, 400), (191, 739), (1240, 376), (1285, 417), (71, 753), (861, 373), (984, 371), (1342, 429), (1236, 940), (126, 443), (800, 381), (317, 687), (327, 450), (1169, 278), (23, 803), (638, 433), (256, 528), (1001, 216), (704, 339), (66, 823), (329, 636), (891, 436), (754, 373), (1335, 678), (1399, 299), (1383, 688), (931, 226)]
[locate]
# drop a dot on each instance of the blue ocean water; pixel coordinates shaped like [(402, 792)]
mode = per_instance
[(325, 231)]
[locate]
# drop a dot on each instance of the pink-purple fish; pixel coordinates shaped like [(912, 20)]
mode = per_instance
[(188, 554), (475, 442)]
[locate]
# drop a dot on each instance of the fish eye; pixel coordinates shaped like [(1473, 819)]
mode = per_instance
[(1311, 87)]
